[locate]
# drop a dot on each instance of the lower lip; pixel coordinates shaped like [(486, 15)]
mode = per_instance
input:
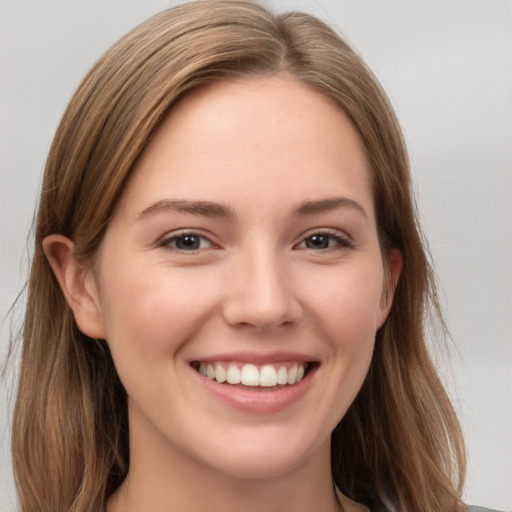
[(258, 401)]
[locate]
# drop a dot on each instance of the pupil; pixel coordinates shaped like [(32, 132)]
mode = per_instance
[(187, 242), (317, 242)]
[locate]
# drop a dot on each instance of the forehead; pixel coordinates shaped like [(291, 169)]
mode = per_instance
[(257, 141)]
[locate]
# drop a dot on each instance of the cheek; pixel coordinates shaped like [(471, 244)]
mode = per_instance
[(348, 306), (345, 308), (150, 314)]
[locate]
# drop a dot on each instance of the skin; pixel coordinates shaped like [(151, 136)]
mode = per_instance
[(254, 282)]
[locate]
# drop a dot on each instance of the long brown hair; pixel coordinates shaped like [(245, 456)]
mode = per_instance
[(399, 447)]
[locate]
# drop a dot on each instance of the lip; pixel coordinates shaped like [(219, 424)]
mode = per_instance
[(262, 400), (258, 358)]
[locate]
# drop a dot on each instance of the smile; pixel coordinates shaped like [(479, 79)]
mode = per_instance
[(247, 374), (257, 385)]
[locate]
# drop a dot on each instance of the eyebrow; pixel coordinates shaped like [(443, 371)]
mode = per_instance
[(324, 205), (206, 208), (211, 209)]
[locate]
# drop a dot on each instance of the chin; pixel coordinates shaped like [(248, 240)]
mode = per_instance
[(266, 465), (265, 454)]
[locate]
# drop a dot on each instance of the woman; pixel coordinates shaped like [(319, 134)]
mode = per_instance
[(228, 290)]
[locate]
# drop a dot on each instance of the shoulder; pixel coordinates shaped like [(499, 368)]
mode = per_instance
[(480, 509)]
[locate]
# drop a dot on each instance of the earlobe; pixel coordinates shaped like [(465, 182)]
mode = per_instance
[(393, 270), (77, 283)]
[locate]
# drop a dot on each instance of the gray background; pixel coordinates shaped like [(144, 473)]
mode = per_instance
[(447, 66)]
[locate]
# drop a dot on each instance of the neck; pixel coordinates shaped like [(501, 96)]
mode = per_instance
[(167, 480)]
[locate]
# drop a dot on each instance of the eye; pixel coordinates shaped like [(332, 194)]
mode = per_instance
[(324, 241), (187, 242)]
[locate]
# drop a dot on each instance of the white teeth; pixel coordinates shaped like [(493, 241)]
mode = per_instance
[(268, 376), (282, 376), (250, 375), (233, 376), (220, 374), (292, 375)]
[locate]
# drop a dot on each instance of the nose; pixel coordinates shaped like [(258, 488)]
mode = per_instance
[(261, 294)]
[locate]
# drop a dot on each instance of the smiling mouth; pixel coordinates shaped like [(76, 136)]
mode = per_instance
[(266, 377)]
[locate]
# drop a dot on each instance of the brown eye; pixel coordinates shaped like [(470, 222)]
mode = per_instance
[(317, 242), (323, 241), (187, 242)]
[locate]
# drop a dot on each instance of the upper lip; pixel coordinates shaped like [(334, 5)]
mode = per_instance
[(257, 357)]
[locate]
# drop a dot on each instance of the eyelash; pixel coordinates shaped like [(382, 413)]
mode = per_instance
[(341, 242)]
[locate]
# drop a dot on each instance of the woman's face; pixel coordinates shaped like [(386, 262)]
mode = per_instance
[(244, 247)]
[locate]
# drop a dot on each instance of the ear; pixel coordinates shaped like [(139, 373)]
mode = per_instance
[(78, 285), (393, 267)]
